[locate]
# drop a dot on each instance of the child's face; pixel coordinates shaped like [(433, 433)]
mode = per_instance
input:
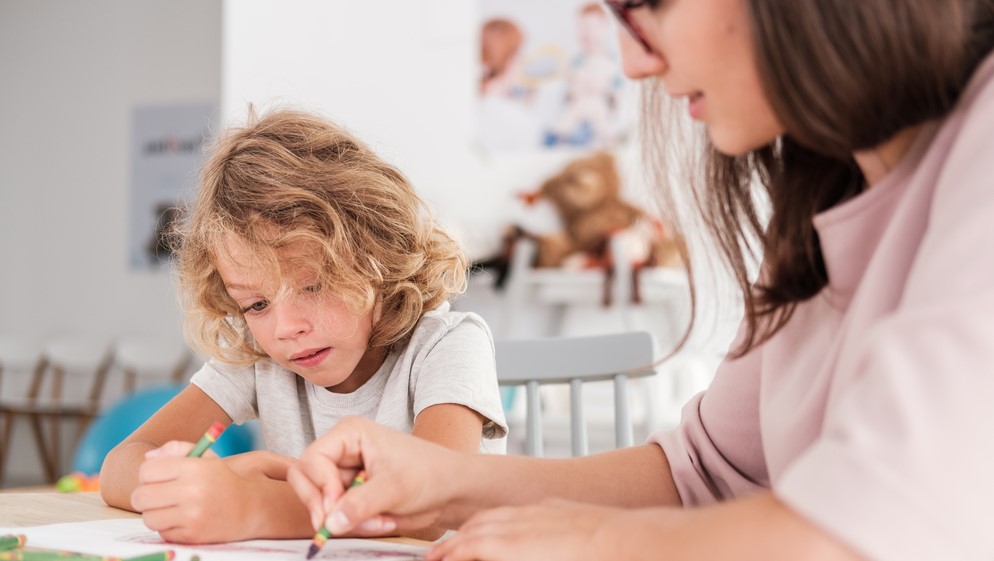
[(307, 330)]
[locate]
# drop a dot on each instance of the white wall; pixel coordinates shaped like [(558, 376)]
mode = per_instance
[(72, 72), (70, 75), (402, 75)]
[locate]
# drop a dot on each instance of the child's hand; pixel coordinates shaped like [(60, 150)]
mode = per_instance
[(571, 530), (176, 448), (260, 463), (191, 500), (409, 480)]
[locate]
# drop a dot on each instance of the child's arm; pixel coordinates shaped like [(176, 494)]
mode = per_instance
[(198, 500), (456, 427), (184, 417)]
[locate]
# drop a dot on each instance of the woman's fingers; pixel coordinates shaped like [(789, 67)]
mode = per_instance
[(309, 493)]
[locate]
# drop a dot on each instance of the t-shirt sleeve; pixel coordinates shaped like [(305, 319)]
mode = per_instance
[(231, 387), (460, 368), (716, 452)]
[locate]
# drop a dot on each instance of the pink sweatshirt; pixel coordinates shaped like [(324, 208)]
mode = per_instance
[(871, 413)]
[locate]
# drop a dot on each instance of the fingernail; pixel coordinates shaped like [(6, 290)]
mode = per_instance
[(378, 525), (152, 453), (338, 522)]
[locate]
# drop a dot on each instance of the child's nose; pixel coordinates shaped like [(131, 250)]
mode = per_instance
[(636, 62), (291, 320)]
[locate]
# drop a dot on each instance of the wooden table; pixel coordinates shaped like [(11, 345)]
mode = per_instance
[(33, 509), (37, 508)]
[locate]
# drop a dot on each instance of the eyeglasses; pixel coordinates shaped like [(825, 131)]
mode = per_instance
[(621, 9)]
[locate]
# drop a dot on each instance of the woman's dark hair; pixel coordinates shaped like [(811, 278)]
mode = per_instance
[(841, 76)]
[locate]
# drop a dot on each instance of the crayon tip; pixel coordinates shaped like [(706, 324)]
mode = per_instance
[(312, 551)]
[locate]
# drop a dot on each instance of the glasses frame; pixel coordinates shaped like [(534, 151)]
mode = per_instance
[(621, 9)]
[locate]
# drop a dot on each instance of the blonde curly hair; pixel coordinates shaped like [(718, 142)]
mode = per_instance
[(288, 180)]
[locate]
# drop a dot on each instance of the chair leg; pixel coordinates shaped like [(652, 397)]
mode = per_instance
[(8, 425), (129, 381), (48, 462), (533, 420), (55, 449)]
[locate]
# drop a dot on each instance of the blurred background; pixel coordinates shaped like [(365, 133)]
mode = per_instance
[(106, 108)]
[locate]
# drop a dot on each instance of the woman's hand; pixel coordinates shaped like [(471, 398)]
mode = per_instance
[(191, 500), (551, 529), (409, 481)]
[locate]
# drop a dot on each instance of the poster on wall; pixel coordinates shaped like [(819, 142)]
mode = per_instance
[(167, 150), (550, 77)]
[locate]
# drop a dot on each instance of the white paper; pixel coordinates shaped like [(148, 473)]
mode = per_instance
[(128, 537)]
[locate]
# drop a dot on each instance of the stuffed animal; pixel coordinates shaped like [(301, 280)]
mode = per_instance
[(586, 194)]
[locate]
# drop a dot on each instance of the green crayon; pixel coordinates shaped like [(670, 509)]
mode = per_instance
[(167, 555), (12, 541), (323, 534)]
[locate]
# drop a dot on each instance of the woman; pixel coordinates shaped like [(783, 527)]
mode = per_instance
[(852, 419)]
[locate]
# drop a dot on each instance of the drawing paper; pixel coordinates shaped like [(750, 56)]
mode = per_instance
[(129, 536)]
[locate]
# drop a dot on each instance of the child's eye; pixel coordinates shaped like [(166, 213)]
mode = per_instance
[(256, 307), (313, 288)]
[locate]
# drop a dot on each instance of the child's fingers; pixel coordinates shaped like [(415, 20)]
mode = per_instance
[(146, 498), (170, 449)]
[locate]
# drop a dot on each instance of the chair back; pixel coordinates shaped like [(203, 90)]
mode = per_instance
[(152, 360), (574, 361), (119, 420), (78, 367), (19, 357)]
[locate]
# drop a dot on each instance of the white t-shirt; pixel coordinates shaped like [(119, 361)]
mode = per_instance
[(449, 358)]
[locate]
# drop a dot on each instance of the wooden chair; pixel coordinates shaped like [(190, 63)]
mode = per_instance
[(20, 358), (73, 370), (575, 361)]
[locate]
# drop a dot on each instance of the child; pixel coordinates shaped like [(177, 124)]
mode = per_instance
[(316, 282), (853, 420)]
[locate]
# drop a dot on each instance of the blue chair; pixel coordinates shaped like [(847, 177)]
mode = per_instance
[(121, 419)]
